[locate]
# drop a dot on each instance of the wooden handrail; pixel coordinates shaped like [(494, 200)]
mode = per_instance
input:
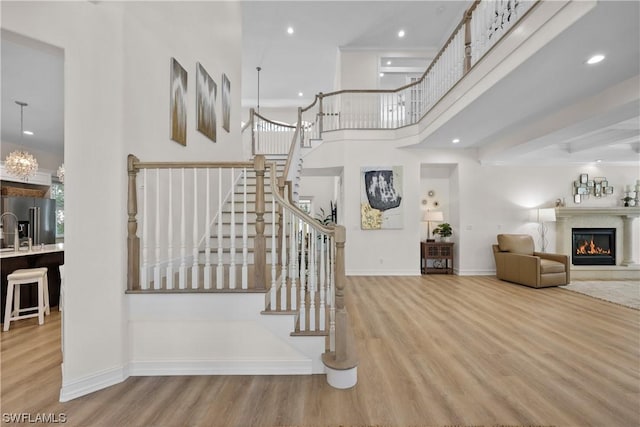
[(274, 123), (291, 206), (137, 165)]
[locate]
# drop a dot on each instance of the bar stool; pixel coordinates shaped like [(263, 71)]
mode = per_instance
[(12, 306)]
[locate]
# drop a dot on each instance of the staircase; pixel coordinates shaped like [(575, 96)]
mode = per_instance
[(231, 281)]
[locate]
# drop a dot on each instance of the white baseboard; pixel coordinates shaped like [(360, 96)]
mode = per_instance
[(220, 367), (94, 382), (475, 272), (415, 272)]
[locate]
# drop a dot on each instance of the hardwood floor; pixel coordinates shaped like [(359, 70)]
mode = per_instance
[(434, 351)]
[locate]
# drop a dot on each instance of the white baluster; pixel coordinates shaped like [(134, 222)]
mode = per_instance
[(274, 236), (232, 255), (144, 283), (220, 268), (293, 261), (312, 280), (157, 277), (332, 296), (194, 266), (303, 277), (245, 250), (283, 271), (170, 234), (183, 237), (322, 283), (207, 233)]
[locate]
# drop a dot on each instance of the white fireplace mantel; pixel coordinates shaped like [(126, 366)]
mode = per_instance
[(633, 212), (625, 217)]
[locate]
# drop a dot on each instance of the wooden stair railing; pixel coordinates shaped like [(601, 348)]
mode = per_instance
[(180, 209)]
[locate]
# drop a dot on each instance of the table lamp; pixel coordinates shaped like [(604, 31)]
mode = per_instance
[(429, 217)]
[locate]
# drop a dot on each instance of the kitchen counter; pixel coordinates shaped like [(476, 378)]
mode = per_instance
[(50, 256), (36, 250)]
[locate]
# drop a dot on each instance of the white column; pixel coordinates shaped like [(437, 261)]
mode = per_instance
[(628, 255)]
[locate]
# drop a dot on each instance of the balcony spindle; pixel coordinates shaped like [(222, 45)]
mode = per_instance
[(207, 232), (170, 234), (283, 270), (220, 266), (232, 237), (245, 237), (145, 233), (194, 267), (157, 281), (293, 262), (182, 271)]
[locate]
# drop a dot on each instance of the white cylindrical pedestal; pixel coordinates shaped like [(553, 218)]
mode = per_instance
[(342, 378)]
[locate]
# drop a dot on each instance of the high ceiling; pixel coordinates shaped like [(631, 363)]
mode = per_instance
[(509, 123), (305, 61)]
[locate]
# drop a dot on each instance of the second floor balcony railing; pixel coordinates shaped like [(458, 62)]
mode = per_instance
[(484, 23)]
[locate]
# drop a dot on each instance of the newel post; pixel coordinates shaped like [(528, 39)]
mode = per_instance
[(260, 253), (133, 241), (341, 365), (253, 132), (467, 38)]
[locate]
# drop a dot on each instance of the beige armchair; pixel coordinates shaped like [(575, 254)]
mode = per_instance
[(517, 262)]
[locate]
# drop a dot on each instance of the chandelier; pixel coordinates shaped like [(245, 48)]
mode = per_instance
[(20, 163), (61, 173)]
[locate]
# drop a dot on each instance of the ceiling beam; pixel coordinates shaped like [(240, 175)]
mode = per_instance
[(613, 105)]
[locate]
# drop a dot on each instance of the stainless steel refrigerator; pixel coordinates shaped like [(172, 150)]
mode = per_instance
[(36, 218)]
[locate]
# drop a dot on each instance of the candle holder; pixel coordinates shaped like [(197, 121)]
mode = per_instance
[(631, 195)]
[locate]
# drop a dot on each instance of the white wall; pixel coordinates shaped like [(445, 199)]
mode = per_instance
[(483, 202), (436, 178), (117, 58), (322, 190)]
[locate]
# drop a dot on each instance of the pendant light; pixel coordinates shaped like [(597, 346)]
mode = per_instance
[(20, 163)]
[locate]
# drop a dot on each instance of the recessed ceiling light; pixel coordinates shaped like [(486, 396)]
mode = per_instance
[(27, 132), (599, 161), (455, 141), (290, 30), (300, 93), (401, 33), (388, 62), (595, 59), (381, 74)]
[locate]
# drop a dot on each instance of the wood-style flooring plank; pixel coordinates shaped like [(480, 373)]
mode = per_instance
[(434, 351)]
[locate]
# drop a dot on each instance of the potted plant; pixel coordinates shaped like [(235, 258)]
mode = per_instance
[(444, 230)]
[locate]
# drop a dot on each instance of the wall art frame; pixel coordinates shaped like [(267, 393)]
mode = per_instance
[(178, 103), (206, 93)]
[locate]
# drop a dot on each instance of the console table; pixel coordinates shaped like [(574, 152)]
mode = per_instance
[(441, 256)]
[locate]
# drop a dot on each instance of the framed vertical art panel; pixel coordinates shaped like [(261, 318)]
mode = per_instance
[(381, 204), (226, 103), (178, 102), (206, 92)]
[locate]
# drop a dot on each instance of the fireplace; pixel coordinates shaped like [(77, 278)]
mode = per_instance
[(593, 246)]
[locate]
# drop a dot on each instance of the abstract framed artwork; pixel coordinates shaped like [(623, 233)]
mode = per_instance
[(206, 92), (381, 204), (226, 103), (178, 102)]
